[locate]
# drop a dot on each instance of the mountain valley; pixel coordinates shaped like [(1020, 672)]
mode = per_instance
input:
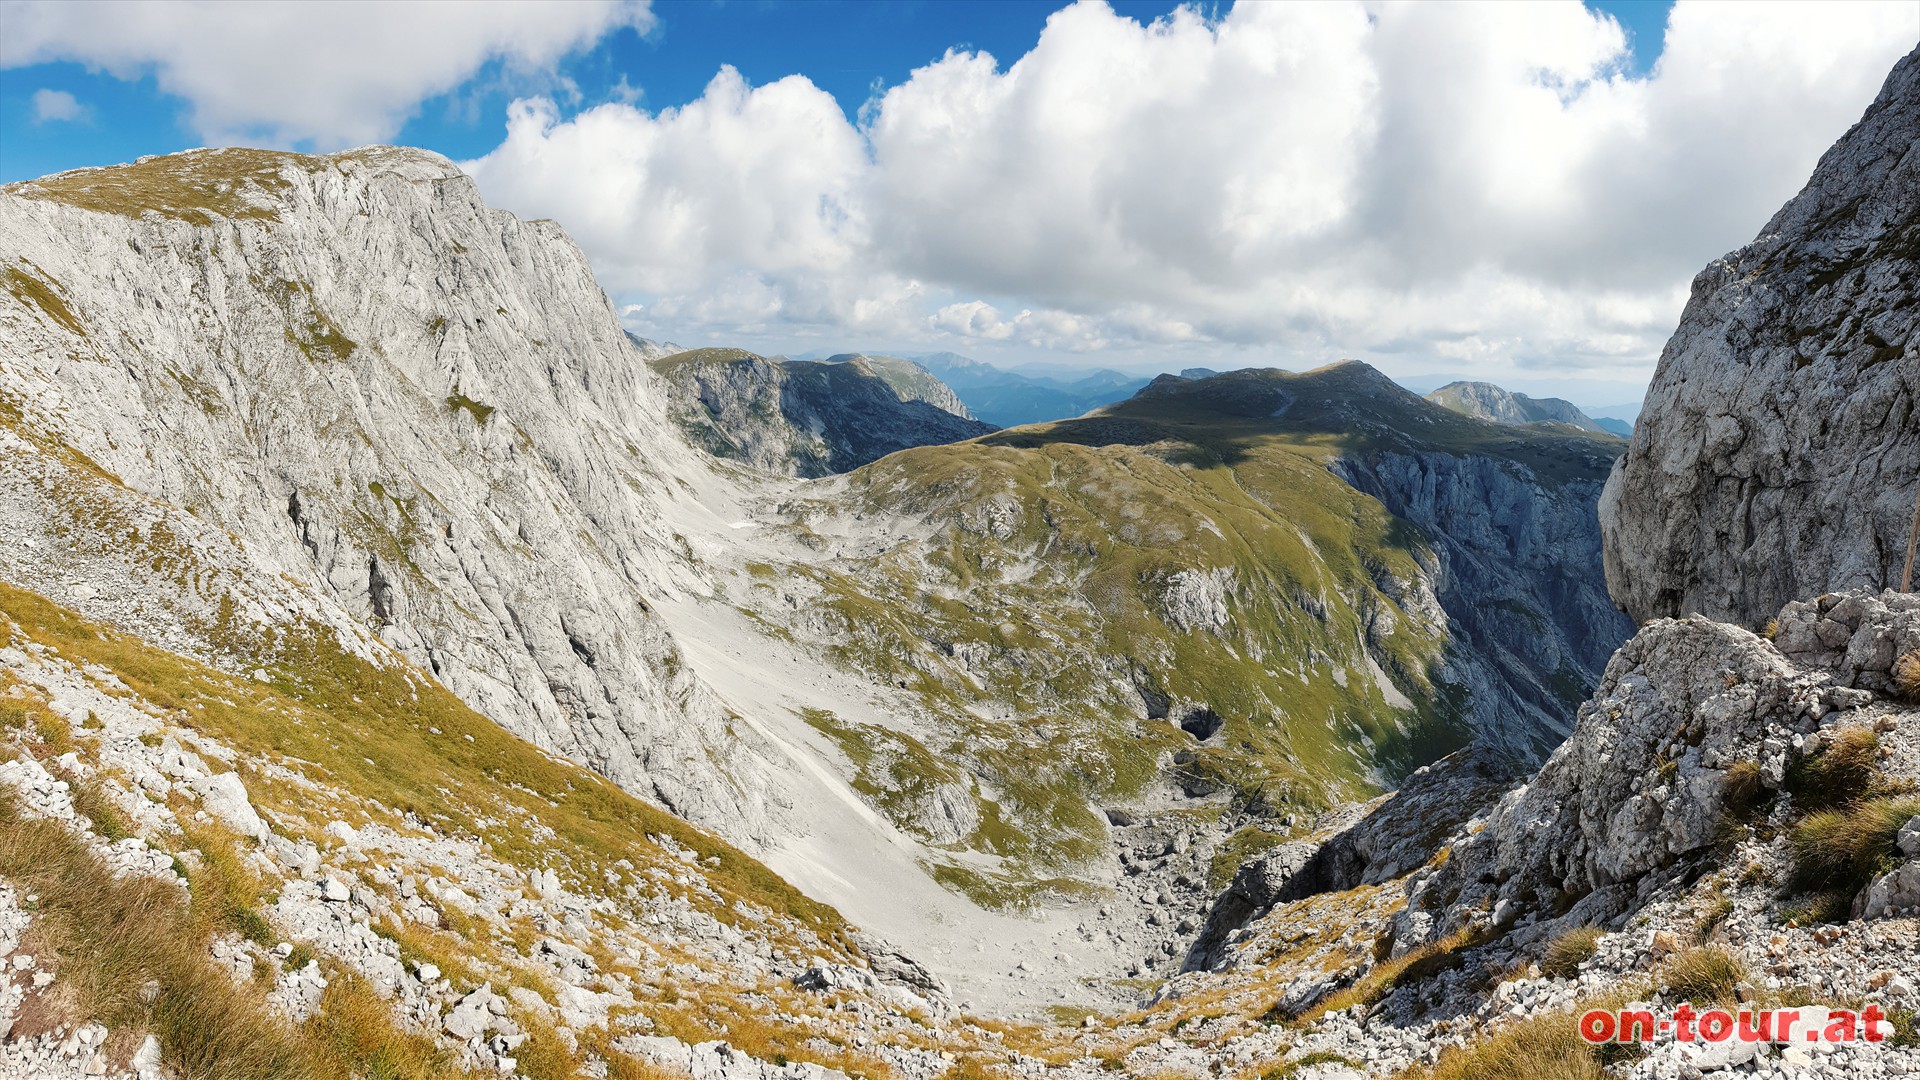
[(459, 685)]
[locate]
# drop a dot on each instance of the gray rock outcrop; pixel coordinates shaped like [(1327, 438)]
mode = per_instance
[(1396, 835), (810, 418), (1778, 454), (1643, 783)]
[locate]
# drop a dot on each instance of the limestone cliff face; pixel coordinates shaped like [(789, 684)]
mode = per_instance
[(1519, 578), (810, 418), (1778, 454), (423, 407)]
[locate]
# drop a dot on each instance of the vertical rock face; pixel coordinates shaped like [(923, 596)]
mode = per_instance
[(1778, 454), (1519, 562), (423, 407)]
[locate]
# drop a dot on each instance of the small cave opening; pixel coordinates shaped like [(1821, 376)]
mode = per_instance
[(1201, 722)]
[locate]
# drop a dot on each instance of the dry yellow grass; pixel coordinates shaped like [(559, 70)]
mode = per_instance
[(1906, 675), (116, 935), (1844, 770), (1420, 963), (1842, 849), (1566, 953), (195, 187), (1544, 1047), (1705, 975), (355, 1035)]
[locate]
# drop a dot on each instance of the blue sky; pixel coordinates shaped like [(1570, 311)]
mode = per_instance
[(845, 47), (1516, 190)]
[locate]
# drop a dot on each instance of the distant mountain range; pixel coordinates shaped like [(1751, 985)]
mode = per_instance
[(1008, 398)]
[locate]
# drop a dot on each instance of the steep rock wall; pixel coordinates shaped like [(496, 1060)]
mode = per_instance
[(1778, 454), (424, 407), (808, 418), (1519, 577)]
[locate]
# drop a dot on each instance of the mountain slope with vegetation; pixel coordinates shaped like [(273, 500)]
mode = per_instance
[(312, 860), (1179, 611), (387, 688)]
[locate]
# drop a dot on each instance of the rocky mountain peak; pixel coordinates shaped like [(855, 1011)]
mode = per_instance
[(1778, 454), (422, 406), (200, 186), (1503, 406)]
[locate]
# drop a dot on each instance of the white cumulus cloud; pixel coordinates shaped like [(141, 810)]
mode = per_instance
[(326, 74), (1438, 183), (52, 106)]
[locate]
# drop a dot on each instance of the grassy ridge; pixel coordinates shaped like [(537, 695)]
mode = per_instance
[(196, 187)]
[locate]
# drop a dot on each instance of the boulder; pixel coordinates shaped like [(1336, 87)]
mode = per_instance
[(225, 797)]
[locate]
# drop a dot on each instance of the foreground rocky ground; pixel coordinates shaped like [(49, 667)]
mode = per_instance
[(1671, 850)]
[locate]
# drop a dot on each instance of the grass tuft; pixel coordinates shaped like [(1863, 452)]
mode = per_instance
[(94, 805), (355, 1033), (1567, 952), (1842, 771), (1906, 675), (1841, 850), (1745, 790), (1415, 966), (1706, 974), (1543, 1047), (463, 403)]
